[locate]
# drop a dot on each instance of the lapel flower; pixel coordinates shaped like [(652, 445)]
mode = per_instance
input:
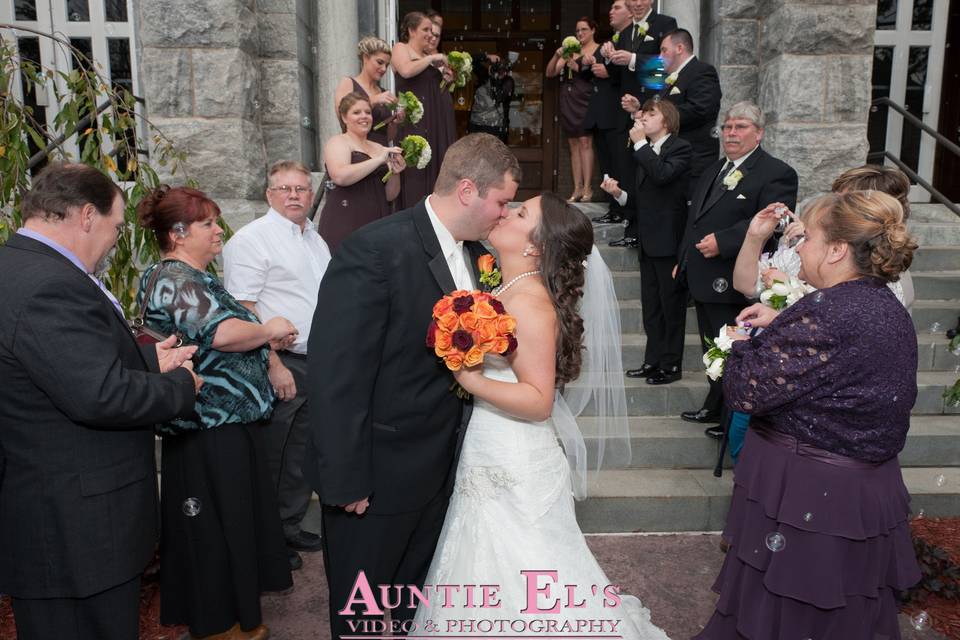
[(489, 274), (671, 79), (616, 38), (732, 179), (643, 27)]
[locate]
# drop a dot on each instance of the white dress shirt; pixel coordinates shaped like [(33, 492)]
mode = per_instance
[(279, 267), (452, 250), (656, 146), (632, 65)]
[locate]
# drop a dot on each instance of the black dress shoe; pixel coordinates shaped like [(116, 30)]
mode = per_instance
[(296, 562), (665, 376), (642, 372), (714, 432), (625, 241), (703, 416), (608, 218), (305, 541)]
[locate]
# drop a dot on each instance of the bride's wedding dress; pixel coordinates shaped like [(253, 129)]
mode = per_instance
[(511, 512)]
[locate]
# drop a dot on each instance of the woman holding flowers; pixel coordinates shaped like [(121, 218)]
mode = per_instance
[(576, 88), (355, 166), (818, 524), (374, 56), (421, 73)]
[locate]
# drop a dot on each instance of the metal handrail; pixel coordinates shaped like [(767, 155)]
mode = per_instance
[(936, 135)]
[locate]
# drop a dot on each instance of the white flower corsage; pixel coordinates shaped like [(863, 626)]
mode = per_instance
[(717, 351), (733, 179)]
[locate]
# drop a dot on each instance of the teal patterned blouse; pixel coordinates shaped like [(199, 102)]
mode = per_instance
[(235, 388)]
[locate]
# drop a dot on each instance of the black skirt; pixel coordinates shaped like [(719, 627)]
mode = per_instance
[(222, 544)]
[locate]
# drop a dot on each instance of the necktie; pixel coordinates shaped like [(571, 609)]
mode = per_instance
[(636, 31), (718, 187)]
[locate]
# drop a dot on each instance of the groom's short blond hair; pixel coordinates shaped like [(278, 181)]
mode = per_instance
[(479, 157)]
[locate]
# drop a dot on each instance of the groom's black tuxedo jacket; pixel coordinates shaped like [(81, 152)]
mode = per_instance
[(383, 420)]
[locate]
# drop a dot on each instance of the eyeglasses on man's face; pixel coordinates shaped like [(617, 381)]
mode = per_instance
[(286, 189)]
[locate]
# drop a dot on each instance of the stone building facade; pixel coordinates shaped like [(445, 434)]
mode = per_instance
[(238, 84)]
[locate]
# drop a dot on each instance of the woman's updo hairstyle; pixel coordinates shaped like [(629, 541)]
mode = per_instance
[(410, 23), (871, 223), (371, 46), (164, 207), (876, 177), (565, 239)]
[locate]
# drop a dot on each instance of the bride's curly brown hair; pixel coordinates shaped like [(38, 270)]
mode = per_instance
[(565, 239)]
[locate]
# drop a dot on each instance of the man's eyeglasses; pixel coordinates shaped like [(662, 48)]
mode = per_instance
[(286, 189)]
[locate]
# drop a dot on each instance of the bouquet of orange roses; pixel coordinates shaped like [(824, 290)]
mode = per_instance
[(467, 325)]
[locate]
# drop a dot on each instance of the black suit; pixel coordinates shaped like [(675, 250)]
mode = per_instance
[(660, 202), (726, 213), (384, 422), (696, 94), (605, 115), (78, 497)]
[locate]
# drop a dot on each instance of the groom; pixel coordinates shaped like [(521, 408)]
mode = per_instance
[(385, 428)]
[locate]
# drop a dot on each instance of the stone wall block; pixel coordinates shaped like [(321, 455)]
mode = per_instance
[(212, 23), (738, 42), (817, 30), (239, 212), (226, 83), (276, 6), (819, 153), (738, 83), (166, 82), (281, 142), (225, 155), (792, 89), (739, 9), (281, 88), (278, 35), (849, 86)]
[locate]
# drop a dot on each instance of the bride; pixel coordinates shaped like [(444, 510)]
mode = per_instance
[(511, 520)]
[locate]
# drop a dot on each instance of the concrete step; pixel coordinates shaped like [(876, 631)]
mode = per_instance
[(929, 258), (937, 285), (671, 443), (931, 212), (927, 315), (933, 352), (688, 394), (694, 500)]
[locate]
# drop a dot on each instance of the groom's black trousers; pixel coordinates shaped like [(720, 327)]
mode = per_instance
[(391, 549)]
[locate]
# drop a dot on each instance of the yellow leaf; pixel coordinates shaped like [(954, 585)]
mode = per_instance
[(132, 165), (88, 131), (3, 151), (109, 163)]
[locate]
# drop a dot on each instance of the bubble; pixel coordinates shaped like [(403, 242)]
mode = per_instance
[(873, 108), (775, 541), (256, 105), (824, 494), (920, 621), (344, 203), (110, 30), (461, 101), (720, 285), (305, 122), (74, 17), (894, 398), (653, 75), (313, 50), (715, 132), (818, 296), (920, 514), (807, 517), (329, 185), (936, 327), (941, 480), (191, 507)]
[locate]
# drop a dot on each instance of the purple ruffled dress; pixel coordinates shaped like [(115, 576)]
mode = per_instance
[(818, 522)]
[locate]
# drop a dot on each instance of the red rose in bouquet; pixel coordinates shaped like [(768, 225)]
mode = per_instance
[(466, 325)]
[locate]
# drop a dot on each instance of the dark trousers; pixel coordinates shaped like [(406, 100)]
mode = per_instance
[(664, 306), (626, 176), (612, 154), (285, 440), (391, 549), (113, 614), (710, 317)]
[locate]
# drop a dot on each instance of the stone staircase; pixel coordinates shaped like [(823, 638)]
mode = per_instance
[(670, 484)]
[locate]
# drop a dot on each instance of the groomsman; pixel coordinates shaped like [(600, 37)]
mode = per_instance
[(694, 87), (731, 190), (639, 41)]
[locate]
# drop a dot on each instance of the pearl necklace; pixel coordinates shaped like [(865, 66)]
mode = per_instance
[(503, 288)]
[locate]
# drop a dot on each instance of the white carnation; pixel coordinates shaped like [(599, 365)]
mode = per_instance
[(723, 341), (715, 370)]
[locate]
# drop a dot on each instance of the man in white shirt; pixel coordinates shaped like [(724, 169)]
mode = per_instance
[(273, 266)]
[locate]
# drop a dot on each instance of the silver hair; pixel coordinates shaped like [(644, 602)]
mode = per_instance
[(745, 110)]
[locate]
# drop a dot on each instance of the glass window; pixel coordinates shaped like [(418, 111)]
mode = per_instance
[(120, 71), (922, 15), (78, 11), (913, 102), (82, 54), (886, 14), (29, 49), (115, 10), (535, 15), (496, 15), (877, 122), (25, 10)]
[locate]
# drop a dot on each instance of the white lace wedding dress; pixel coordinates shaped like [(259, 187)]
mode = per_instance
[(512, 510)]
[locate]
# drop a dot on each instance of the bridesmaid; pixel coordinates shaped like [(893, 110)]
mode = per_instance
[(356, 165), (374, 56), (420, 72), (575, 95)]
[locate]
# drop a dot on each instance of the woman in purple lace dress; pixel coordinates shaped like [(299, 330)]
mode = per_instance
[(818, 524)]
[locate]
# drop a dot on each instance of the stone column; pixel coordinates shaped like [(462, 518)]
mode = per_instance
[(815, 82), (729, 42), (200, 78), (338, 36), (687, 13)]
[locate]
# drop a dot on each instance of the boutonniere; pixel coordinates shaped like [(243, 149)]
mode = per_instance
[(675, 91), (616, 38), (671, 79), (733, 179), (643, 28), (489, 274)]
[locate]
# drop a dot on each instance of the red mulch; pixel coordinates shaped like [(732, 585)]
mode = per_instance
[(945, 533)]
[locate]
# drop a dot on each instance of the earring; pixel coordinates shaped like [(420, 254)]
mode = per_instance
[(526, 252)]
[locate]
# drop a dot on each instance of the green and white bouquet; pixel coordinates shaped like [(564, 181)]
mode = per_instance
[(569, 48), (780, 295), (411, 106), (416, 153), (461, 63)]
